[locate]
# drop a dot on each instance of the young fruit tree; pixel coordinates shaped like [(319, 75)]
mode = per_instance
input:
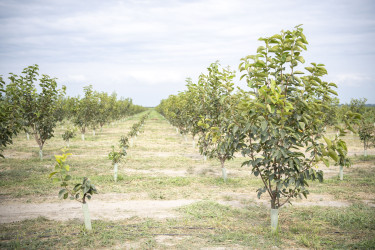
[(282, 117), (84, 111), (38, 109), (336, 148), (124, 144), (116, 157), (366, 125), (10, 117), (68, 134), (79, 192), (222, 138), (366, 132)]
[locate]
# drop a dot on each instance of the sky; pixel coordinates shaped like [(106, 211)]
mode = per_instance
[(146, 49)]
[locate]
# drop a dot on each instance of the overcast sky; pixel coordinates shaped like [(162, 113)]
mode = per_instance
[(146, 49)]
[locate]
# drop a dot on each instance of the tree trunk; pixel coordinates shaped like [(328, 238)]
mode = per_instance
[(205, 158), (185, 138), (193, 143), (68, 143), (224, 171), (115, 172), (131, 142), (28, 136), (365, 153), (274, 219), (93, 132), (83, 136), (41, 154), (341, 173), (86, 215)]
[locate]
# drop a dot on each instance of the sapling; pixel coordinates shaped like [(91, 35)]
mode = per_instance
[(116, 157), (124, 144), (80, 191), (283, 116), (336, 148), (68, 134)]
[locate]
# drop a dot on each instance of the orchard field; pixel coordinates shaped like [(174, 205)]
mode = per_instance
[(167, 196)]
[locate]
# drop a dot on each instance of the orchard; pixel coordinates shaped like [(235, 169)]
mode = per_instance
[(277, 164)]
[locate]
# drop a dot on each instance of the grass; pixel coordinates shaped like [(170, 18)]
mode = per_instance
[(162, 166)]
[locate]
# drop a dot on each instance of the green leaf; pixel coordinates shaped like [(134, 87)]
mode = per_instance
[(301, 59), (67, 178), (52, 174), (269, 108), (328, 141), (66, 167), (62, 192), (333, 155), (302, 125), (264, 125)]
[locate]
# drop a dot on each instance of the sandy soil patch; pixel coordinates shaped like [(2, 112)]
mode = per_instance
[(158, 172), (241, 200), (99, 209)]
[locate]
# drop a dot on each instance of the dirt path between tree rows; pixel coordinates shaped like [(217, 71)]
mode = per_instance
[(115, 207), (99, 209)]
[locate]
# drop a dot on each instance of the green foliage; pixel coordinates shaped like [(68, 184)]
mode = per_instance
[(283, 116), (10, 117), (366, 126), (37, 109), (220, 136), (124, 144), (79, 191), (68, 134), (115, 156)]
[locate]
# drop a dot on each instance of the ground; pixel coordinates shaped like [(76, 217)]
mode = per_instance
[(168, 196)]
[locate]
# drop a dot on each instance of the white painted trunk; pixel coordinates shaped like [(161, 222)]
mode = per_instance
[(83, 137), (365, 153), (185, 137), (205, 158), (177, 130), (194, 144), (86, 216), (41, 154), (28, 136), (68, 144), (341, 173), (131, 142), (93, 132), (224, 172), (115, 172), (274, 219)]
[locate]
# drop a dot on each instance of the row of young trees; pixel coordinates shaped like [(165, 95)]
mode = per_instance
[(124, 144), (278, 124), (95, 109), (37, 110)]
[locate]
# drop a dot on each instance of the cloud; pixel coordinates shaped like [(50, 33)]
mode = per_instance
[(155, 45), (352, 80)]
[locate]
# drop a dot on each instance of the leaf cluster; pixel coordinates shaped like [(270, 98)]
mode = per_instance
[(80, 191)]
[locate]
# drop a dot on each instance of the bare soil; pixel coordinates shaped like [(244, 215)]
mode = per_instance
[(117, 209)]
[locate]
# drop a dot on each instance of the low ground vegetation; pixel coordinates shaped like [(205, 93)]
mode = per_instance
[(167, 196)]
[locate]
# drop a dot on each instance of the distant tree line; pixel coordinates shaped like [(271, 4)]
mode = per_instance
[(24, 108)]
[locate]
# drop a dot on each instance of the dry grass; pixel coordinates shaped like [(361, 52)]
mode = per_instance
[(162, 166)]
